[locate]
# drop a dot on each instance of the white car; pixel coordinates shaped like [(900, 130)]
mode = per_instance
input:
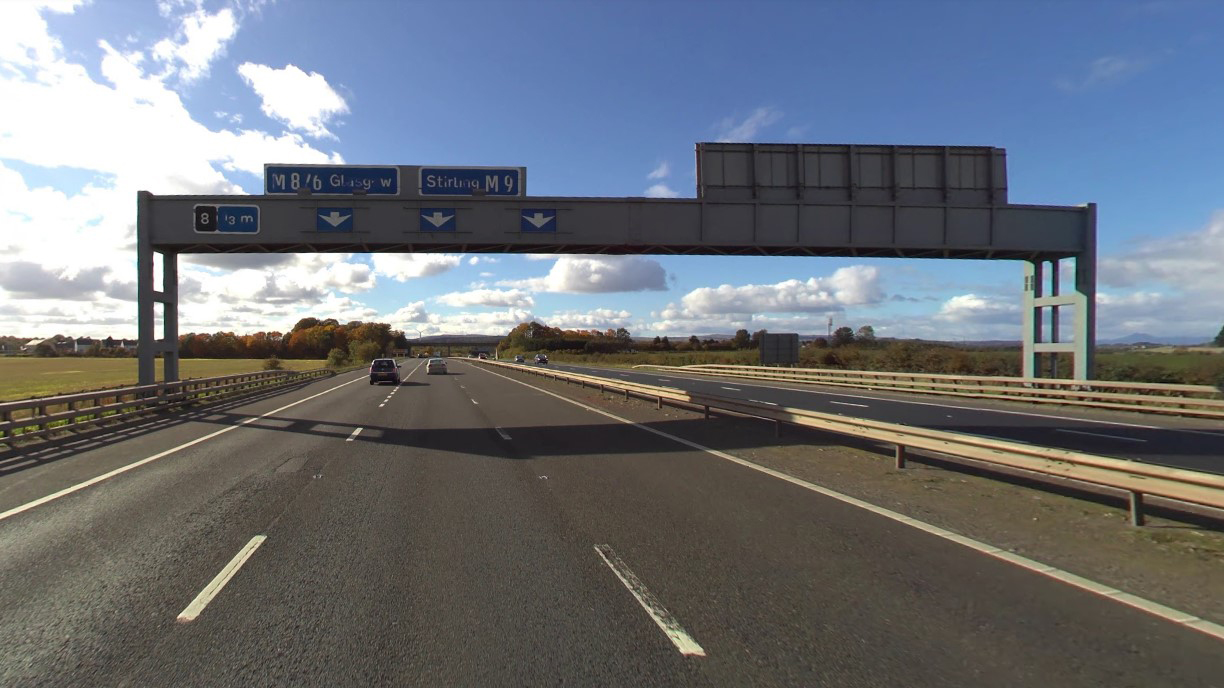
[(435, 365)]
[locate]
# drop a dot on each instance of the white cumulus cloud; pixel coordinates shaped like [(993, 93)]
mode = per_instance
[(789, 305), (597, 275), (660, 171), (853, 285), (487, 322), (409, 317), (598, 319), (134, 98), (1104, 71), (979, 310), (200, 39), (510, 298), (661, 191), (405, 266), (304, 102), (747, 129), (1189, 261)]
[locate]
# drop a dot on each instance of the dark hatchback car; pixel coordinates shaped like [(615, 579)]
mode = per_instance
[(384, 370), (541, 358)]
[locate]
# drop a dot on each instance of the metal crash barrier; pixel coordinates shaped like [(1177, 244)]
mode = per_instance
[(1186, 400), (31, 418), (1136, 479)]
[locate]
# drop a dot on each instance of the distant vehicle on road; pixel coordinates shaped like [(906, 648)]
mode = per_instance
[(436, 366), (519, 359), (384, 370), (482, 356), (541, 358)]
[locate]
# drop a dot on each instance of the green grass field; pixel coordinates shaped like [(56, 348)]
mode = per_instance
[(23, 378)]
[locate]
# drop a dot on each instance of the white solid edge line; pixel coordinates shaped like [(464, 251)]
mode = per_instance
[(354, 435), (657, 612), (210, 591), (123, 469), (758, 401), (733, 389), (1154, 608), (1100, 434), (846, 403)]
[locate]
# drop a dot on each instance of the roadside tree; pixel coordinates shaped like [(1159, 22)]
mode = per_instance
[(842, 336)]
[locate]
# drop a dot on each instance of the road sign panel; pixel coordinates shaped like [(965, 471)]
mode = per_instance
[(471, 181), (538, 220), (332, 179), (438, 220), (205, 218), (334, 219), (226, 218)]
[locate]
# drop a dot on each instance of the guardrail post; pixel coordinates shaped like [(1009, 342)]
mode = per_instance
[(707, 412), (900, 454), (660, 403), (777, 429), (1136, 509), (626, 394)]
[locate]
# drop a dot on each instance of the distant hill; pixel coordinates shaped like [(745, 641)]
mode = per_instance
[(1145, 338)]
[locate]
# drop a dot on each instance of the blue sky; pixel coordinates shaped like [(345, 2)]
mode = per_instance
[(1117, 103)]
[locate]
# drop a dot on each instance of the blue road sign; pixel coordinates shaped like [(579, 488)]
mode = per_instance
[(334, 219), (469, 181), (226, 218), (331, 179), (538, 220), (438, 219)]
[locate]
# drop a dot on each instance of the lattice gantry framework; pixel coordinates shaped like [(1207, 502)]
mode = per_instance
[(752, 199)]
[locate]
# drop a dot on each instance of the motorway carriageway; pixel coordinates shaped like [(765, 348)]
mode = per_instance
[(473, 530), (1196, 444)]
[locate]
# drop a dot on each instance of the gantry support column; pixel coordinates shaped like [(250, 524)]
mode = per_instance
[(147, 298), (1082, 347), (1033, 282), (1085, 301)]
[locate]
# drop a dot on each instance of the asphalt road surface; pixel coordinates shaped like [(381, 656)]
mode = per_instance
[(1196, 444), (471, 530)]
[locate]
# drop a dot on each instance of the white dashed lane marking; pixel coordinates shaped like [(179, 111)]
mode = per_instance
[(658, 613), (1100, 434), (210, 591)]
